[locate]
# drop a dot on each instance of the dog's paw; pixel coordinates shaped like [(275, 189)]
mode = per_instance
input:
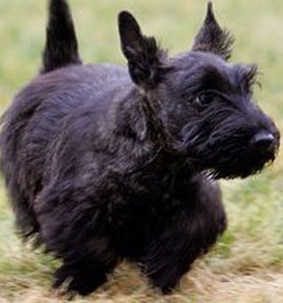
[(72, 280)]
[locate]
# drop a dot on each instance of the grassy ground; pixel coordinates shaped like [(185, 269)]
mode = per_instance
[(247, 264)]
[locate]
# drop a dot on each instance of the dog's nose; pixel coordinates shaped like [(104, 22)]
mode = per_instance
[(263, 140)]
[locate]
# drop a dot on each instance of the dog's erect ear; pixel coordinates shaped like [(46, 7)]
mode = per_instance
[(142, 53), (212, 38)]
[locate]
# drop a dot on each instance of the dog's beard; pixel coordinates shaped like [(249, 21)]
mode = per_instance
[(239, 165), (228, 156)]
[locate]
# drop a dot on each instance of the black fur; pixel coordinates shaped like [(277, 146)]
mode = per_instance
[(61, 42), (212, 38), (104, 164)]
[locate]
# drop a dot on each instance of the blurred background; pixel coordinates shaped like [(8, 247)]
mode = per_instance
[(247, 264)]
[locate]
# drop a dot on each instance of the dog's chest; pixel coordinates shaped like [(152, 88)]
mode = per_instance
[(149, 203)]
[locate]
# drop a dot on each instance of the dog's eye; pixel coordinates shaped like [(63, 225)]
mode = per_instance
[(204, 99)]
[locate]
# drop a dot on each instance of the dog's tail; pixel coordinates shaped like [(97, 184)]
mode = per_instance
[(61, 48)]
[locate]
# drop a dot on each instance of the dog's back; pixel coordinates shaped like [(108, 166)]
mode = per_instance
[(32, 123)]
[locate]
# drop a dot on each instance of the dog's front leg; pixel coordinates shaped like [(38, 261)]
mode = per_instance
[(189, 233)]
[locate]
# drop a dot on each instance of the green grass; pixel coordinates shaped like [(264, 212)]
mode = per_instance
[(247, 264)]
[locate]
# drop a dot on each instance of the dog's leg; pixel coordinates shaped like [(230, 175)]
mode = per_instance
[(85, 275), (72, 228), (189, 233)]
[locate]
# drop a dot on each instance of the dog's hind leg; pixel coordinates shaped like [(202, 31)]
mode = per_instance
[(86, 274), (188, 233), (74, 230)]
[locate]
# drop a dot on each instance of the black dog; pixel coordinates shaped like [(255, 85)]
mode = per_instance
[(104, 164)]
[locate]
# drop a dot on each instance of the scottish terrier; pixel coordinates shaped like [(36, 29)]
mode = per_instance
[(104, 163)]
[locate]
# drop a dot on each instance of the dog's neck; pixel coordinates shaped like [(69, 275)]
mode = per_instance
[(139, 122)]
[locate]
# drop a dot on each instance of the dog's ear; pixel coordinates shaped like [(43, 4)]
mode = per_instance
[(142, 52), (212, 38)]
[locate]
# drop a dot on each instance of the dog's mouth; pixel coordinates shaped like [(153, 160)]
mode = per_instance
[(247, 160), (241, 166), (238, 158)]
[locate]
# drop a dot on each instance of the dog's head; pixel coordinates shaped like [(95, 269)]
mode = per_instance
[(204, 104)]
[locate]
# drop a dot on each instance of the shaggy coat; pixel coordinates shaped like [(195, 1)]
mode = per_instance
[(104, 163)]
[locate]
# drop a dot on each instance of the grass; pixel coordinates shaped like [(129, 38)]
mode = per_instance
[(246, 266)]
